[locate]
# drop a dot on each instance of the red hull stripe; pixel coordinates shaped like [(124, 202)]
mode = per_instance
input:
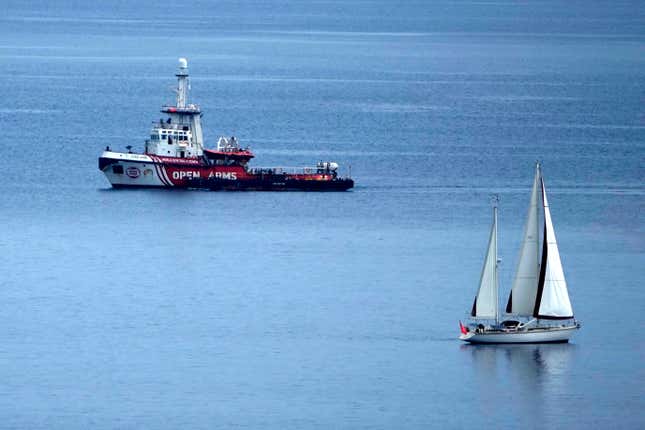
[(159, 170), (154, 163), (163, 170)]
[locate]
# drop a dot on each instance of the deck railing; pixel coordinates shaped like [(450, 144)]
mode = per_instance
[(172, 126), (289, 170)]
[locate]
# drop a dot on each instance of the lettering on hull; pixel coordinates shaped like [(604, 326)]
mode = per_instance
[(185, 175), (232, 176), (182, 175)]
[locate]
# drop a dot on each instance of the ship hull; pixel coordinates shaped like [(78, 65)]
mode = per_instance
[(130, 173), (125, 170), (538, 335), (274, 184)]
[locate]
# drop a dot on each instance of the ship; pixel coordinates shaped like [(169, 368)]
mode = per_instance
[(174, 156)]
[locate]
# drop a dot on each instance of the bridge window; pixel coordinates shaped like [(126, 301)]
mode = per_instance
[(118, 169)]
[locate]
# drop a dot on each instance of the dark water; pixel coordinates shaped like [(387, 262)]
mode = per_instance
[(158, 309)]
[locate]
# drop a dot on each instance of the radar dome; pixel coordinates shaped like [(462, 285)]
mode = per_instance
[(183, 63)]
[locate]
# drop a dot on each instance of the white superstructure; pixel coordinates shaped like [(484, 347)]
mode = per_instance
[(179, 132)]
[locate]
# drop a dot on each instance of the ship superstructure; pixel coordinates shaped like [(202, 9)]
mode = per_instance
[(175, 156), (180, 134)]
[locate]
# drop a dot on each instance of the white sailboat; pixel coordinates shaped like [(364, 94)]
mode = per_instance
[(538, 309)]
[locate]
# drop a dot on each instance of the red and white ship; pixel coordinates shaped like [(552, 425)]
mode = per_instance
[(175, 156)]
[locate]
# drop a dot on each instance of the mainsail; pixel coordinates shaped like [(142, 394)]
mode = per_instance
[(521, 300), (552, 300), (485, 304)]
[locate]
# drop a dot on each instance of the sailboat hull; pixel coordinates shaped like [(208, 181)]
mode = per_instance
[(537, 335)]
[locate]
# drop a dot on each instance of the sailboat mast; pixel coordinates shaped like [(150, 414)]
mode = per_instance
[(538, 248), (496, 200)]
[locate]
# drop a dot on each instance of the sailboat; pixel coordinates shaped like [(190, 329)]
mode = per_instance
[(538, 308)]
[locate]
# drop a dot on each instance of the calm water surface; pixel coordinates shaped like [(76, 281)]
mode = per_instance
[(158, 309)]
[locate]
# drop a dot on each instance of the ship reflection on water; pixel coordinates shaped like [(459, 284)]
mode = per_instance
[(532, 378)]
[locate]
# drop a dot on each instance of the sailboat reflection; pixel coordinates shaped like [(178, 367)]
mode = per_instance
[(532, 377), (539, 360)]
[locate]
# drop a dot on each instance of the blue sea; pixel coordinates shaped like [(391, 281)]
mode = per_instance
[(157, 309)]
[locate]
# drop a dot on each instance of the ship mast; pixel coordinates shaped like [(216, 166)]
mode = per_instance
[(182, 83)]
